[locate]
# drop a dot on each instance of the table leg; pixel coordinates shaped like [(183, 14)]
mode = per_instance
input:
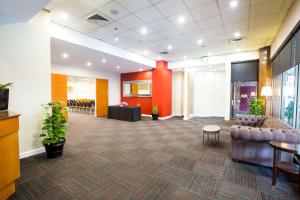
[(275, 162), (207, 137), (218, 137), (215, 139), (203, 136)]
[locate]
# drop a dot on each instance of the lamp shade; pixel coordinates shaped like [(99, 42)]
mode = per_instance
[(266, 91)]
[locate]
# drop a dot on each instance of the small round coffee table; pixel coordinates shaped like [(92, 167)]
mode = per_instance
[(211, 130)]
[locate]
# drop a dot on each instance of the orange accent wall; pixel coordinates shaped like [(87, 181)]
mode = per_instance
[(162, 88), (145, 102), (59, 88), (101, 97)]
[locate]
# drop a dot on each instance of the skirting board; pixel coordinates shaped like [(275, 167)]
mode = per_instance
[(160, 118), (32, 152)]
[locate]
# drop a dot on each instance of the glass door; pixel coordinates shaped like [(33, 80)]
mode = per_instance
[(242, 94)]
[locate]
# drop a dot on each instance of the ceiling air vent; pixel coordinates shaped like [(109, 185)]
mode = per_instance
[(97, 17), (164, 53)]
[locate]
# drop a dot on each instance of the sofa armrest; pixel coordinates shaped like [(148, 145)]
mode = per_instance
[(249, 120), (263, 134)]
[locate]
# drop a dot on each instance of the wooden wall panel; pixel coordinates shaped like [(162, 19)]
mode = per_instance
[(101, 97), (59, 88)]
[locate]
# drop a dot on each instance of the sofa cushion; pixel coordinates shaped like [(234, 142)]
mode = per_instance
[(264, 134), (249, 120), (275, 123)]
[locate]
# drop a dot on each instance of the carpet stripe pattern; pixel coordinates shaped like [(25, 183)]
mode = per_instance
[(148, 160)]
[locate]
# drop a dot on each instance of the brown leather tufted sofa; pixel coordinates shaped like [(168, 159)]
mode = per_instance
[(250, 136)]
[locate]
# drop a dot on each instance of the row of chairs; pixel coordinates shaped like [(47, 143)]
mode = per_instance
[(81, 105)]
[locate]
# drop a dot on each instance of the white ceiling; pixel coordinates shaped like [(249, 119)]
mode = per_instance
[(212, 21), (15, 11), (78, 56)]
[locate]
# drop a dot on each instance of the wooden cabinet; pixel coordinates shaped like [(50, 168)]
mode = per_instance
[(9, 153)]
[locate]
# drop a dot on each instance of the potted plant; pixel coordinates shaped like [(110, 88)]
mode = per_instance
[(54, 129), (255, 107), (155, 112), (4, 96)]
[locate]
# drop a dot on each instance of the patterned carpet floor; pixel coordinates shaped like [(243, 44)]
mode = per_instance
[(114, 160)]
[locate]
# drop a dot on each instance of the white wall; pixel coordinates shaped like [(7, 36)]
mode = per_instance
[(209, 97), (287, 26), (25, 61), (113, 79), (177, 89)]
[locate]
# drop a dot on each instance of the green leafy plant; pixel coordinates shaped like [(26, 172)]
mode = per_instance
[(155, 109), (5, 86), (289, 112), (55, 123), (255, 107)]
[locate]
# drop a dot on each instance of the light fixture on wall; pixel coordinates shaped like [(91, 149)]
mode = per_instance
[(88, 64), (65, 55), (103, 60)]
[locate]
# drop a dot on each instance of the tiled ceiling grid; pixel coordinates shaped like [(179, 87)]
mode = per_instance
[(212, 21)]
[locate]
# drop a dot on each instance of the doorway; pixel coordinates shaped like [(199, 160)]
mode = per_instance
[(242, 94)]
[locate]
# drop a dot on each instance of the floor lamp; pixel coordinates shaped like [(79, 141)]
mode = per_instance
[(266, 91)]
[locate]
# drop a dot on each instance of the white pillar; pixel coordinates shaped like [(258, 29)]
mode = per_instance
[(227, 89), (185, 94)]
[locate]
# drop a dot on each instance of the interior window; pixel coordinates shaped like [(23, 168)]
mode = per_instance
[(276, 95), (288, 96)]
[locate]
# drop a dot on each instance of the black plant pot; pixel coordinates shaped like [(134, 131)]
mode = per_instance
[(55, 150), (4, 96), (155, 116)]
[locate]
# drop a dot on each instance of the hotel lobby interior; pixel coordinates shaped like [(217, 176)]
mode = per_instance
[(150, 99)]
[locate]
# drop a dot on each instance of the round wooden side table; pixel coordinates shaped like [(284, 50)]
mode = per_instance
[(282, 165), (211, 130)]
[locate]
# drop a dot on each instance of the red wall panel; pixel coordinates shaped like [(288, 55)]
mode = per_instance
[(145, 102), (162, 88)]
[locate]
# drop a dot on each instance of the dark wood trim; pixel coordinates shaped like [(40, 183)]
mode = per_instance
[(287, 39)]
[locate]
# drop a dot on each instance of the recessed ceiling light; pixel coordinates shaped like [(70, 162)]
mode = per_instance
[(237, 34), (144, 31), (170, 47), (117, 39), (209, 53), (140, 69), (199, 41), (181, 20), (65, 55), (184, 57), (88, 64), (63, 15), (103, 60), (210, 67), (118, 67), (233, 4), (146, 52), (238, 49)]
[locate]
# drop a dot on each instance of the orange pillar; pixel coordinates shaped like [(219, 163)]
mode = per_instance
[(162, 88), (59, 88), (101, 97)]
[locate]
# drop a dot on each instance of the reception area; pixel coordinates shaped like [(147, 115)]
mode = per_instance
[(150, 99)]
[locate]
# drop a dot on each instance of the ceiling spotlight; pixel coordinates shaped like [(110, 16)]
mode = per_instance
[(263, 62), (146, 52), (184, 57), (88, 64), (233, 4), (237, 34), (265, 57), (209, 53), (238, 49), (65, 55), (63, 15), (140, 69), (170, 47), (199, 41), (103, 60), (159, 58), (210, 67), (144, 31), (117, 39), (118, 67), (181, 20)]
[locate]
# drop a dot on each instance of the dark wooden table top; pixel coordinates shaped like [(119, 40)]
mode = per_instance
[(7, 115), (287, 147)]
